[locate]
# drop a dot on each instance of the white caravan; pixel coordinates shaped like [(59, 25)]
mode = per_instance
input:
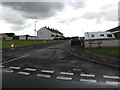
[(98, 35)]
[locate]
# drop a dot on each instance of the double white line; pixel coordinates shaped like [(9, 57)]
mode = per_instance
[(8, 71), (23, 73), (87, 75), (112, 77), (47, 71), (11, 67), (66, 73), (64, 78), (43, 75), (30, 69), (112, 82), (88, 80)]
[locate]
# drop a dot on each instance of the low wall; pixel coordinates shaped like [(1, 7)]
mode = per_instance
[(104, 43)]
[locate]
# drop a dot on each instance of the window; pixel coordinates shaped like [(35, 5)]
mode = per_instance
[(109, 35), (92, 35), (52, 35), (101, 35), (57, 35)]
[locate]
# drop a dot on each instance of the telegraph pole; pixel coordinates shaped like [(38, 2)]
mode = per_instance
[(35, 27)]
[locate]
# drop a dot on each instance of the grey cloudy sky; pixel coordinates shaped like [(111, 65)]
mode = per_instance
[(71, 17)]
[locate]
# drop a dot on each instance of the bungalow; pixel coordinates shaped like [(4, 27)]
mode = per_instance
[(48, 34), (27, 37), (7, 36)]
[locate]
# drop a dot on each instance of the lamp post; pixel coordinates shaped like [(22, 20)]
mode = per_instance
[(35, 27), (35, 30)]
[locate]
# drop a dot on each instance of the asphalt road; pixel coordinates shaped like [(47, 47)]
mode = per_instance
[(51, 66)]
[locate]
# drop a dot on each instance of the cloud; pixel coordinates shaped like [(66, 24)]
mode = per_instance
[(19, 27), (34, 10), (119, 12), (92, 15), (111, 15), (69, 20), (12, 16), (77, 4)]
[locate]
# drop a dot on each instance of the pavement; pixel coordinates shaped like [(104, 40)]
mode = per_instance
[(51, 66), (79, 51)]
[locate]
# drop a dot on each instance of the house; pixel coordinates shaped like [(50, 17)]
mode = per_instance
[(98, 35), (7, 36), (47, 33), (115, 31), (27, 37)]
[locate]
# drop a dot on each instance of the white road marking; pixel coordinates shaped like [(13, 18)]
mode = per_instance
[(41, 50), (87, 75), (43, 75), (66, 73), (11, 67), (112, 82), (8, 71), (75, 69), (23, 73), (64, 78), (30, 69), (15, 59), (112, 77), (86, 80), (47, 71)]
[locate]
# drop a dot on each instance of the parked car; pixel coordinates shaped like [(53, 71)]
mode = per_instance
[(75, 41)]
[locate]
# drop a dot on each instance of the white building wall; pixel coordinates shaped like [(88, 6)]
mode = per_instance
[(22, 37), (88, 35), (32, 38), (104, 43), (44, 34)]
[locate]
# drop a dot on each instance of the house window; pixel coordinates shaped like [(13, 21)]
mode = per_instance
[(57, 35), (109, 35), (52, 35), (101, 35), (92, 35)]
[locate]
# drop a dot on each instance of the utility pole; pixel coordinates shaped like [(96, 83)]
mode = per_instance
[(35, 27)]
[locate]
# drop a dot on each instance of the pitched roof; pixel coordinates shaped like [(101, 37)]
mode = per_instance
[(114, 29), (8, 34), (53, 30)]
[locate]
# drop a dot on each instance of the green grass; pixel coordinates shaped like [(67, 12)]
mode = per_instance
[(17, 43), (114, 52)]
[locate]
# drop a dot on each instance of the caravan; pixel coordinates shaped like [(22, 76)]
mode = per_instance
[(98, 35)]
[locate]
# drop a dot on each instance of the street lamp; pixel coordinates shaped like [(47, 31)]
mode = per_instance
[(35, 27)]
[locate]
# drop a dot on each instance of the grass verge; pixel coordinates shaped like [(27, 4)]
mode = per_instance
[(114, 52), (17, 43)]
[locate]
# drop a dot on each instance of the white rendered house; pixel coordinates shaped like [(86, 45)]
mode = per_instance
[(48, 34)]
